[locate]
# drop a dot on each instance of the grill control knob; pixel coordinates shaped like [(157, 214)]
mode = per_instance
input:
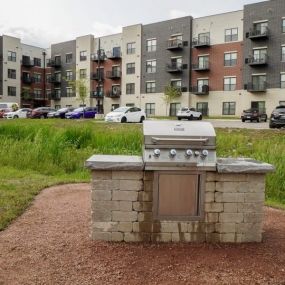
[(188, 153), (204, 153), (172, 152), (156, 152), (196, 153)]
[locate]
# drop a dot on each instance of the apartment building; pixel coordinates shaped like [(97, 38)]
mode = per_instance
[(222, 64)]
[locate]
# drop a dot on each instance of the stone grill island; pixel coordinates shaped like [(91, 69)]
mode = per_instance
[(225, 206)]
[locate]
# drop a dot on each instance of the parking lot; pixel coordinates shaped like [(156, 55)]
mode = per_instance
[(220, 123)]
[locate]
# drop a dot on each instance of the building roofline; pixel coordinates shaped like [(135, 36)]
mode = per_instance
[(208, 16)]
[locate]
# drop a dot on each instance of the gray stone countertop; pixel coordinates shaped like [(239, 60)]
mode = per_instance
[(243, 165), (115, 162)]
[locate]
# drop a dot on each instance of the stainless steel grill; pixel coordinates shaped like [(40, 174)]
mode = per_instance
[(170, 145)]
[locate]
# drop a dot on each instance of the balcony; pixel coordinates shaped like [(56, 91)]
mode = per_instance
[(257, 34), (97, 94), (54, 80), (174, 44), (204, 66), (200, 90), (27, 80), (27, 62), (56, 63), (98, 76), (114, 74), (201, 42), (256, 87), (114, 93), (174, 67), (115, 54), (56, 96), (95, 57), (258, 61)]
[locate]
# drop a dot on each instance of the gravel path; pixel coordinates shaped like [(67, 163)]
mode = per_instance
[(50, 244)]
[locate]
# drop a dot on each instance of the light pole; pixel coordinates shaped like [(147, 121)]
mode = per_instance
[(44, 73)]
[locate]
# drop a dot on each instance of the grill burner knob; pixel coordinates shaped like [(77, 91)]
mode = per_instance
[(196, 153), (172, 152), (204, 153), (156, 152), (188, 153)]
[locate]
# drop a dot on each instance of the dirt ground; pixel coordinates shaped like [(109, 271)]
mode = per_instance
[(50, 244)]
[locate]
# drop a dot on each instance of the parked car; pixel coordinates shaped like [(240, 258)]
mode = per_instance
[(40, 113), (126, 114), (277, 118), (21, 113), (11, 106), (87, 112), (253, 115), (189, 114), (3, 112), (60, 113)]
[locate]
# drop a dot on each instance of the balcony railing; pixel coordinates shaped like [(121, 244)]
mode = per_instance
[(27, 62), (54, 80), (27, 80), (114, 93), (201, 42), (258, 34), (99, 76), (200, 90), (174, 44), (204, 66), (114, 54), (97, 94), (258, 61), (174, 67), (256, 87), (56, 63), (114, 74), (95, 57)]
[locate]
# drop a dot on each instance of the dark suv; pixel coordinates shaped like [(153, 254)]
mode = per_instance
[(253, 115), (277, 118), (40, 113)]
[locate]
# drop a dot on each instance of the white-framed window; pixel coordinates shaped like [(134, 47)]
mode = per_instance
[(151, 45), (230, 83), (130, 88), (150, 87), (68, 58), (230, 59), (11, 91), (174, 107), (260, 54), (283, 53), (131, 48), (201, 83), (12, 73), (203, 61), (131, 68), (282, 80), (231, 35), (151, 66), (150, 109), (283, 25), (83, 55), (82, 73), (261, 27), (229, 108), (69, 75), (12, 56), (69, 92)]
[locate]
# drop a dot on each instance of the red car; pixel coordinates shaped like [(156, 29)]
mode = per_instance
[(40, 113)]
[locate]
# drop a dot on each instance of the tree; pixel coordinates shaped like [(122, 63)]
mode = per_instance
[(170, 93)]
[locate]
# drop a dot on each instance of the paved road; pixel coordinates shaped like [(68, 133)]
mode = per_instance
[(238, 124)]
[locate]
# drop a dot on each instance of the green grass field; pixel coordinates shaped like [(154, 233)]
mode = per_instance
[(35, 154)]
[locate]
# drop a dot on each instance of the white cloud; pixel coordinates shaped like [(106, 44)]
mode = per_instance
[(177, 14), (100, 29)]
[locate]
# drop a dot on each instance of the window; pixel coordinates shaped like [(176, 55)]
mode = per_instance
[(130, 105), (176, 63), (230, 83), (12, 73), (201, 83), (11, 91), (203, 61), (202, 107), (12, 56), (83, 55), (37, 62), (48, 78), (57, 93), (261, 28), (69, 92), (175, 41), (151, 45), (204, 38), (115, 106), (69, 75), (282, 80), (260, 55), (68, 58), (37, 78), (150, 109), (131, 49), (116, 52), (37, 93), (48, 93), (131, 68), (130, 88), (259, 82), (174, 107), (260, 105), (229, 108), (230, 59), (231, 35), (176, 83), (57, 76), (57, 107), (82, 73), (151, 66), (283, 53), (150, 87), (283, 25)]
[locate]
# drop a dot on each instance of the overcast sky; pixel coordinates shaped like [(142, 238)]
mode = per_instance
[(41, 23)]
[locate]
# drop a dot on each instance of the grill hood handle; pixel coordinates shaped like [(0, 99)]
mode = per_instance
[(179, 141)]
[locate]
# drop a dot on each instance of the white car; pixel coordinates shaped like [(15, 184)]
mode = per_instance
[(189, 114), (21, 113), (126, 115)]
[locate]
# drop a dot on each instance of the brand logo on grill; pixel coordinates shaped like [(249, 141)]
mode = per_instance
[(179, 129)]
